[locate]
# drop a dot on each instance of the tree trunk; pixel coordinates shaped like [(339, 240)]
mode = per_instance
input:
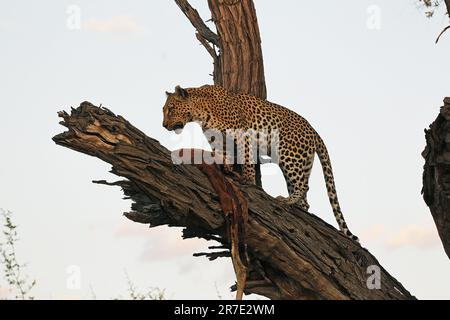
[(241, 60), (293, 254), (436, 175), (238, 62)]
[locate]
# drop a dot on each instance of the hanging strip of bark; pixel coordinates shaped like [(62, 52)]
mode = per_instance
[(436, 174), (234, 206), (292, 254), (235, 209)]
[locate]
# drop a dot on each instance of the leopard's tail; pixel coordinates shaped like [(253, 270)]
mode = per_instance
[(322, 152)]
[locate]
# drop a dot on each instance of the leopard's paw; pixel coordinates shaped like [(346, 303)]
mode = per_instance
[(294, 201), (247, 181)]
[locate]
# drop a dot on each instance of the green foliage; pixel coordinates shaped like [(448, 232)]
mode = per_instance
[(19, 283)]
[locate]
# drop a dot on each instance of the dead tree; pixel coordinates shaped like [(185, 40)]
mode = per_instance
[(291, 253), (235, 48), (436, 175)]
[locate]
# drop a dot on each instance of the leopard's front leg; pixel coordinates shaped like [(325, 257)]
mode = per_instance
[(248, 174), (247, 151), (216, 139)]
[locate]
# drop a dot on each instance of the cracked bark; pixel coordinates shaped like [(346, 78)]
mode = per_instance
[(436, 175), (293, 254), (235, 48)]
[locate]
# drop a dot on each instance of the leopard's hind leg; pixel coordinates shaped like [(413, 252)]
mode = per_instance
[(297, 170)]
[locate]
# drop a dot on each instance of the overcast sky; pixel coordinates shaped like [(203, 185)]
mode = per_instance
[(369, 89)]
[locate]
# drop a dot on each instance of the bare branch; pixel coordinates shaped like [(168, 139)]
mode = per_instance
[(207, 46), (442, 32), (198, 22)]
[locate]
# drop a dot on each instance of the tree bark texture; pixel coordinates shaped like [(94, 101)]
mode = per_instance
[(293, 254), (436, 175), (238, 60), (241, 60)]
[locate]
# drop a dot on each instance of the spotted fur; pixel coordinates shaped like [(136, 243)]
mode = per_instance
[(216, 108)]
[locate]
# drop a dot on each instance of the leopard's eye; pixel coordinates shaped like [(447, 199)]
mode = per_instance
[(170, 110)]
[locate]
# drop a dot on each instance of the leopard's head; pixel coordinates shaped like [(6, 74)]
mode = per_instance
[(177, 110)]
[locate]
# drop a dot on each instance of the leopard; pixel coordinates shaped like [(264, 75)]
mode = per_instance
[(214, 107)]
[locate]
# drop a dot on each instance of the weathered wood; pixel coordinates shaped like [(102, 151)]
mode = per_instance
[(241, 59), (238, 62), (293, 254), (436, 174), (235, 209), (194, 17)]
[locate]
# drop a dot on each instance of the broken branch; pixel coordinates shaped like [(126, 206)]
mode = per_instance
[(292, 254)]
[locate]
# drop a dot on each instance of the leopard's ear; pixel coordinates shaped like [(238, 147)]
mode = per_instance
[(168, 93), (179, 91)]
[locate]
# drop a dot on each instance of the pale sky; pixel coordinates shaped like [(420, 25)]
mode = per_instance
[(369, 93)]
